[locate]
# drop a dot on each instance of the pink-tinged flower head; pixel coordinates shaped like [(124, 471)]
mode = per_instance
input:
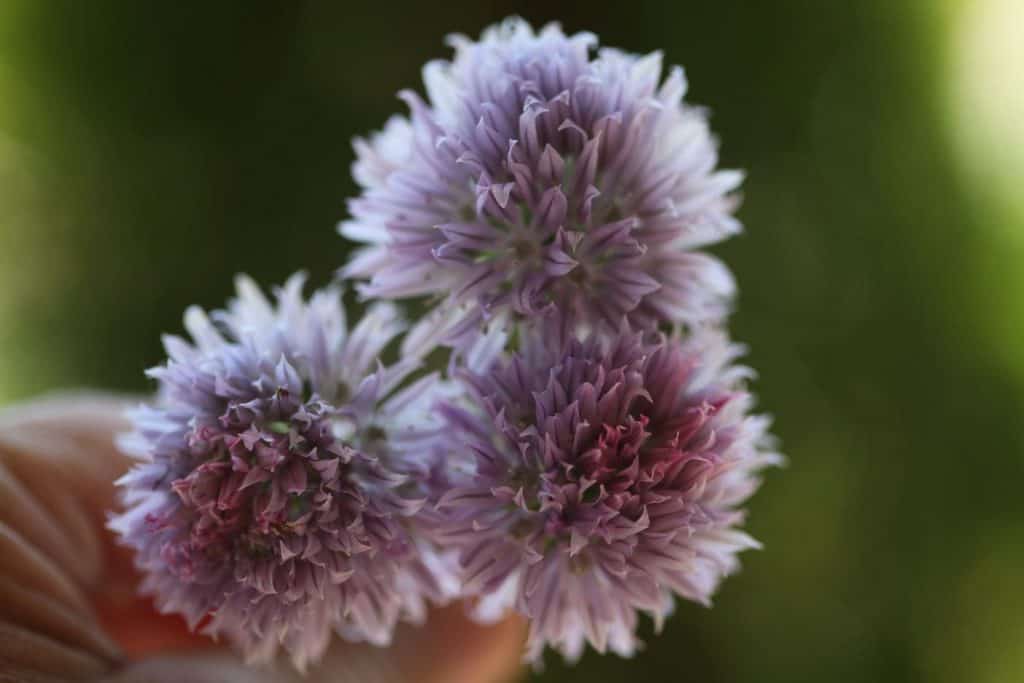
[(274, 503), (537, 172), (591, 480)]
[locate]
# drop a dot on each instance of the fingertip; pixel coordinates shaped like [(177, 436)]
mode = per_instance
[(25, 655), (452, 648)]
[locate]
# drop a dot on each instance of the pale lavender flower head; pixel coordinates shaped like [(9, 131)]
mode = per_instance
[(274, 502), (589, 480), (538, 172)]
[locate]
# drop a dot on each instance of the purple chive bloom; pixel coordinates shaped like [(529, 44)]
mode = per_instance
[(589, 480), (274, 499), (540, 172)]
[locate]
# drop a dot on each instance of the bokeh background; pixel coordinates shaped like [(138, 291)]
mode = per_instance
[(148, 151)]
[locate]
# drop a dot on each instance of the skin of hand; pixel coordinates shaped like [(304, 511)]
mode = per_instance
[(69, 607)]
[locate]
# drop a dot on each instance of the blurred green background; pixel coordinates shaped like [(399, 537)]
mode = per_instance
[(149, 151)]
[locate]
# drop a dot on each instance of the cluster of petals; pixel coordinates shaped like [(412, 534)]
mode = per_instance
[(539, 173), (594, 477), (275, 501)]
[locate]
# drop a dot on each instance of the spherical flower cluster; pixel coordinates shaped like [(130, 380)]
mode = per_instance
[(275, 499), (537, 173), (591, 479)]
